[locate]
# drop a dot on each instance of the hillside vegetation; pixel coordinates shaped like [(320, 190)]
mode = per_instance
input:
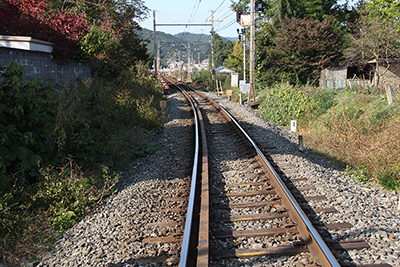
[(354, 126), (62, 149)]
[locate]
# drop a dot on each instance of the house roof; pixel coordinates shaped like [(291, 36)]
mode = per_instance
[(223, 69), (389, 60)]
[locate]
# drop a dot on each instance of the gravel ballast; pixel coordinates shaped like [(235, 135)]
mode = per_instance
[(111, 234)]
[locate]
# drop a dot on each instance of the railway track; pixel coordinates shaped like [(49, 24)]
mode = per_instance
[(145, 223), (247, 214)]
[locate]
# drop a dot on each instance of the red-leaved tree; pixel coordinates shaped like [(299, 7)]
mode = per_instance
[(37, 20), (305, 46)]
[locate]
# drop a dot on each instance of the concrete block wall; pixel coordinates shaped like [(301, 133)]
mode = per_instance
[(42, 67)]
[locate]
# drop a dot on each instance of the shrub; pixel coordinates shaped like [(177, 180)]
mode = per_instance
[(102, 124), (390, 180), (97, 120), (361, 130), (281, 105), (67, 194), (324, 100), (25, 123), (204, 79)]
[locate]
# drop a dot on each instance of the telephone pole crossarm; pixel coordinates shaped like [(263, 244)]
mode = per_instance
[(178, 24)]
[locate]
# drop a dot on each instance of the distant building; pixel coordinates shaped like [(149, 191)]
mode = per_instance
[(340, 77), (388, 72)]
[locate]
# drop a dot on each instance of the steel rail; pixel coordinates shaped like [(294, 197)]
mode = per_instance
[(189, 216), (315, 243), (203, 245)]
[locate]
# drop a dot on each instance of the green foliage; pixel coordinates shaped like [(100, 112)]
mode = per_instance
[(235, 59), (297, 56), (389, 179), (222, 49), (94, 116), (25, 123), (99, 41), (281, 105), (358, 127), (101, 123), (360, 173), (389, 10), (305, 46), (324, 100), (368, 111), (204, 79), (144, 148), (69, 195)]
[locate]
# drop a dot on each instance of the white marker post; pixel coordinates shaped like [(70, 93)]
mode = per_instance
[(293, 126)]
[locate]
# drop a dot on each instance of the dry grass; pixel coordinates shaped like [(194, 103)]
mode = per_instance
[(348, 135), (28, 244)]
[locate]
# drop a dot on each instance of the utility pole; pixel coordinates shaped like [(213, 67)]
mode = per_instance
[(252, 49), (158, 57), (174, 24), (179, 64), (189, 73), (244, 57), (212, 53), (212, 50), (155, 43)]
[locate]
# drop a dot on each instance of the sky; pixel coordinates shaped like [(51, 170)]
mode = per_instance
[(192, 11)]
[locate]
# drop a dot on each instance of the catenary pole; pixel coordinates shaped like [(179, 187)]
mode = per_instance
[(212, 53), (155, 43), (252, 49)]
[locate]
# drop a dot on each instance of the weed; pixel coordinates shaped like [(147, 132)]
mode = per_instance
[(354, 125), (68, 194), (360, 173), (281, 105), (389, 179)]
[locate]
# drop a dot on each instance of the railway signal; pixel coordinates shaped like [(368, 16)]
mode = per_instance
[(239, 14), (260, 6)]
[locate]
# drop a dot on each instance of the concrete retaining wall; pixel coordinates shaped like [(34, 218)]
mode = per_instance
[(41, 66)]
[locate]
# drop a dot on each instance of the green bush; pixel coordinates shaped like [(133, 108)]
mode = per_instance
[(102, 124), (281, 105), (68, 194), (25, 123), (94, 117), (204, 79), (324, 100), (360, 173)]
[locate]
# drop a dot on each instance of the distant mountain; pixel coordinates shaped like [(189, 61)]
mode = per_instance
[(232, 39), (179, 43)]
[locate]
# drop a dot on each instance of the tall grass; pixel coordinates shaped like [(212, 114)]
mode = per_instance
[(355, 125), (361, 130)]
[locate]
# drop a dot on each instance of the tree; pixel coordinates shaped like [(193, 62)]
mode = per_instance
[(124, 13), (283, 9), (221, 50), (36, 19), (388, 10), (115, 22), (375, 38), (270, 68), (304, 46), (235, 59)]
